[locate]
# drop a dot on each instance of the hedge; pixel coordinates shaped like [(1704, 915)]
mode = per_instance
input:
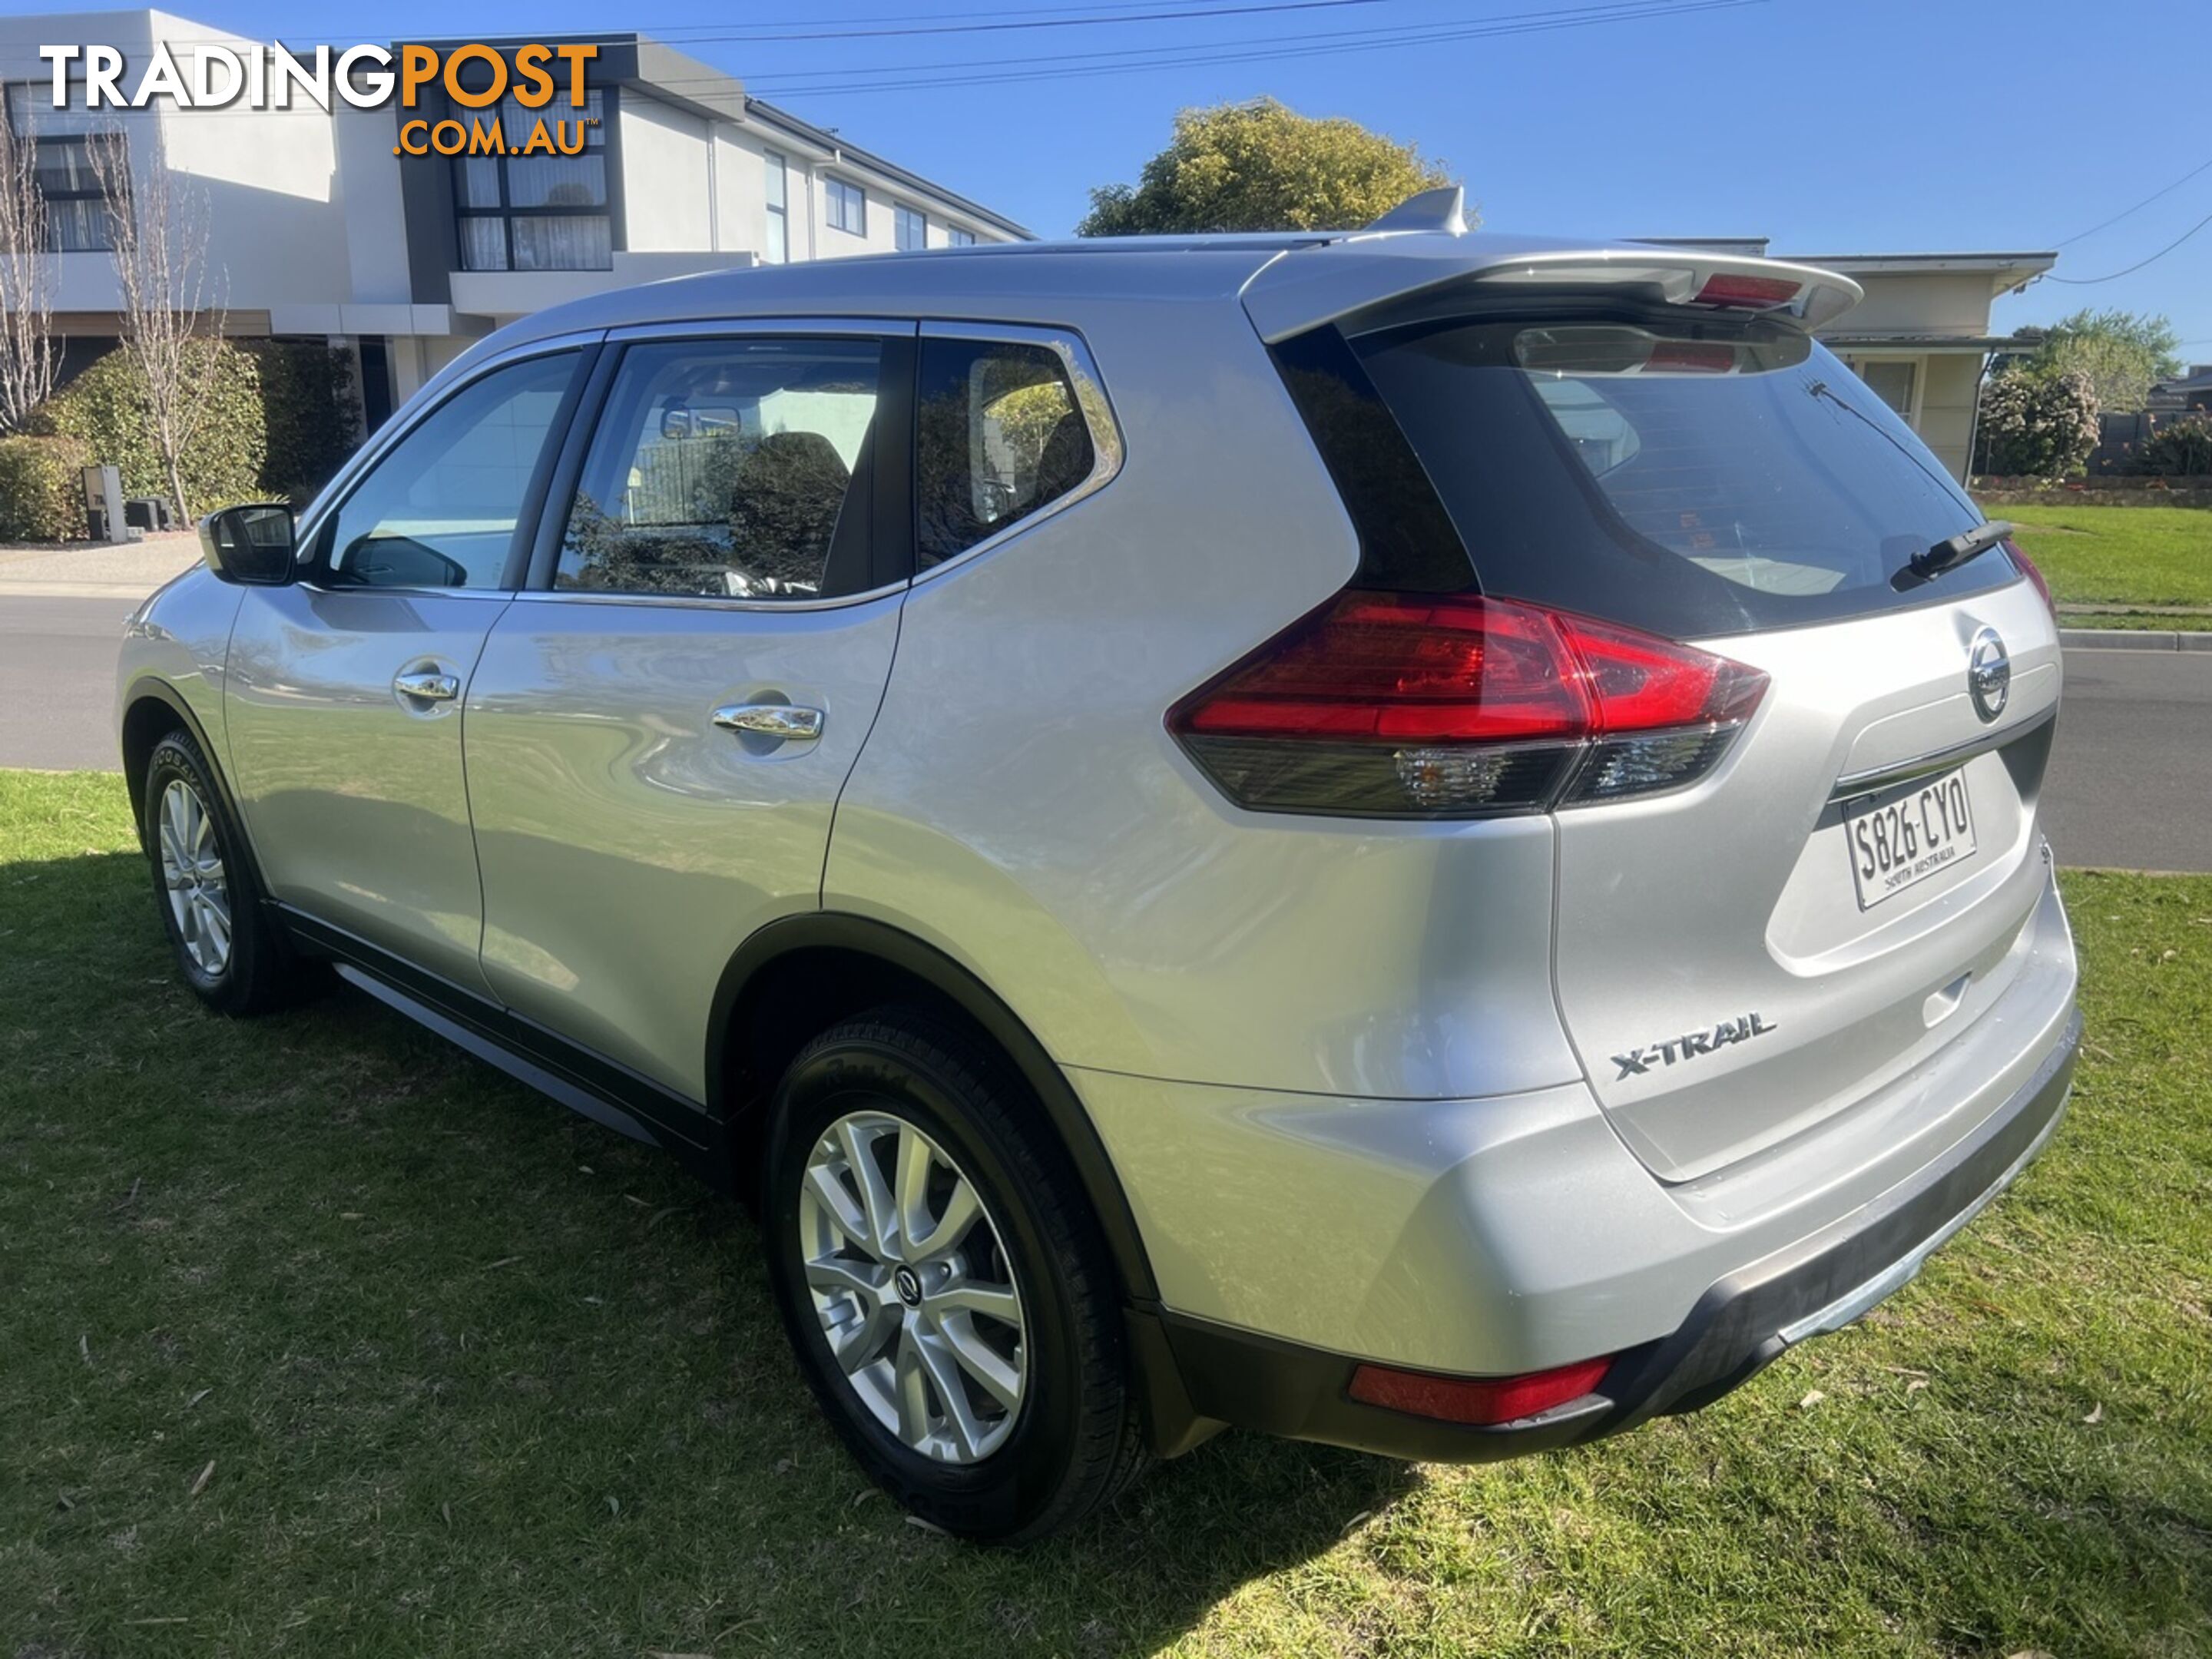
[(41, 489), (280, 424)]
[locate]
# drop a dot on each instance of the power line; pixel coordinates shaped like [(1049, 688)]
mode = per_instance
[(2091, 282), (788, 82), (2124, 212), (1230, 53)]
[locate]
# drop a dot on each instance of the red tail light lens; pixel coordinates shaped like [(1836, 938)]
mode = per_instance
[(2027, 568), (1458, 705), (1480, 1399)]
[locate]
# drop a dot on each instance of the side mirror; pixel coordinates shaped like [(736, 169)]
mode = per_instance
[(252, 543)]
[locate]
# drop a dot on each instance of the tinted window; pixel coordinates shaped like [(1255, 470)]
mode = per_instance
[(440, 509), (998, 434), (1696, 478), (729, 469)]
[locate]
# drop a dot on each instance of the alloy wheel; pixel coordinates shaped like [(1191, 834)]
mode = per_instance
[(193, 872), (913, 1288)]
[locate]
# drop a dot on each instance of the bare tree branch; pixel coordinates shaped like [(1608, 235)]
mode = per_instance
[(172, 311), (28, 359)]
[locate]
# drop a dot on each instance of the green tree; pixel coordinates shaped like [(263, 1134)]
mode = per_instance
[(2121, 353), (1262, 166), (2036, 423)]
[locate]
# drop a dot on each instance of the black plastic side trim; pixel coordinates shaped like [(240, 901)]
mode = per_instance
[(578, 1077), (834, 930), (1407, 542)]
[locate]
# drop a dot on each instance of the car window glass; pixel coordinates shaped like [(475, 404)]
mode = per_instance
[(997, 434), (729, 469), (440, 509)]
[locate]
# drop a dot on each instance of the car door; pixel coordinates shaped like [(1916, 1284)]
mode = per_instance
[(660, 724), (343, 690)]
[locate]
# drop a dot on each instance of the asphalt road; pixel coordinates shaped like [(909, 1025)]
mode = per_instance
[(2130, 787), (58, 681)]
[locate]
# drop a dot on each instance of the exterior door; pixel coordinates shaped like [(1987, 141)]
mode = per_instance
[(344, 690), (658, 732)]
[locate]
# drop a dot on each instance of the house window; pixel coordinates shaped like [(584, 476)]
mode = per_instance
[(78, 220), (913, 230), (847, 206), (1892, 380), (541, 212), (776, 247), (956, 237)]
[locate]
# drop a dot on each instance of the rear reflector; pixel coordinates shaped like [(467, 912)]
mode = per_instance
[(1387, 705), (1747, 293), (1478, 1400)]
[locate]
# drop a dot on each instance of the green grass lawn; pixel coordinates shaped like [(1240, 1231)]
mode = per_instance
[(2118, 557), (317, 1337)]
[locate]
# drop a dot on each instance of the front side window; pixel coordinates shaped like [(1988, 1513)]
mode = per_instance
[(729, 469), (540, 212), (847, 206), (440, 509), (913, 230), (776, 248), (999, 434)]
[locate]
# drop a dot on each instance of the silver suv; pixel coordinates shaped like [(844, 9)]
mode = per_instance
[(1415, 840)]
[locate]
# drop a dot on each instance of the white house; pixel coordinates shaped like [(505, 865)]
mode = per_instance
[(1921, 338), (320, 227)]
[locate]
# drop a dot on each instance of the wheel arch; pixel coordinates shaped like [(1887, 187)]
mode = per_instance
[(152, 708), (798, 975)]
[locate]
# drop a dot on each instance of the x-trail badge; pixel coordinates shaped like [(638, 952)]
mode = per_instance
[(1989, 674)]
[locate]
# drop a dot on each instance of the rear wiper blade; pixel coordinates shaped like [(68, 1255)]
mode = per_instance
[(1950, 554)]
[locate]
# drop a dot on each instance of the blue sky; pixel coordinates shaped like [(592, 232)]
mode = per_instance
[(1828, 125)]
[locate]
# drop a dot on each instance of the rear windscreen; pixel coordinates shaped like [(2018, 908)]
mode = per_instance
[(1688, 478)]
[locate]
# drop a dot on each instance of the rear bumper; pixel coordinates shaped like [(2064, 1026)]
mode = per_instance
[(1741, 1323)]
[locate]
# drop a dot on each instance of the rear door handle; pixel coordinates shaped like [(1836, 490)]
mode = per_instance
[(786, 722), (428, 686)]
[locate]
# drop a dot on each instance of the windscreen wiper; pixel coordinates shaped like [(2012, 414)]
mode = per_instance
[(1950, 554)]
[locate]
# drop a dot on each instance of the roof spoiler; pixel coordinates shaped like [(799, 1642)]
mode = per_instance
[(1335, 282)]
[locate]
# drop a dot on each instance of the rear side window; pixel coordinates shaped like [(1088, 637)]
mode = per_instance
[(729, 469), (1693, 478), (999, 434)]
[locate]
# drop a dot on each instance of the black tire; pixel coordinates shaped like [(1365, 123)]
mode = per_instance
[(259, 971), (1075, 1439)]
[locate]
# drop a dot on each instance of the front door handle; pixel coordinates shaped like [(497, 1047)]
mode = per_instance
[(786, 722), (428, 686)]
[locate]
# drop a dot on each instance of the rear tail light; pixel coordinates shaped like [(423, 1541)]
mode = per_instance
[(1747, 293), (2027, 568), (1425, 706), (1486, 1401)]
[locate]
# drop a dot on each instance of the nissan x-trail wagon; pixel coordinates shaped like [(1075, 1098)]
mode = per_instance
[(1416, 840)]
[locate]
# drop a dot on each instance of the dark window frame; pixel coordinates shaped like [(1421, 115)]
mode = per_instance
[(40, 142), (833, 201), (901, 216), (597, 141)]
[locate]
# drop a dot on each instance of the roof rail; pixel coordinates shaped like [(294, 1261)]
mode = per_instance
[(1442, 208)]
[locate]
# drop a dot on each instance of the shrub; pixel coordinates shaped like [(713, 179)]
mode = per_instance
[(105, 408), (2179, 449), (42, 490), (309, 421), (2037, 422)]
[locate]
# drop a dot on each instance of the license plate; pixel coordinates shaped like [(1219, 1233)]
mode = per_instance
[(1908, 838)]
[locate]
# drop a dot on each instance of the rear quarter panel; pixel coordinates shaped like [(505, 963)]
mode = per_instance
[(1021, 806)]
